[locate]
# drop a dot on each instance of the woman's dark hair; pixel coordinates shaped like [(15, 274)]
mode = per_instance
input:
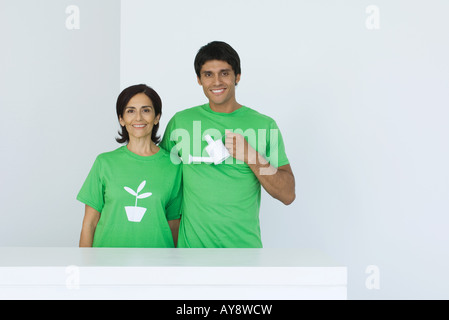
[(217, 50), (123, 100)]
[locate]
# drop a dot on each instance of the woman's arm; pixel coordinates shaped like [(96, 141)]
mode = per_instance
[(91, 217), (174, 227)]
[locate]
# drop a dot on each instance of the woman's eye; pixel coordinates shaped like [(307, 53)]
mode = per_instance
[(129, 111)]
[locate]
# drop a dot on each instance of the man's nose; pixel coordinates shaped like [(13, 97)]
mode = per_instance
[(217, 79)]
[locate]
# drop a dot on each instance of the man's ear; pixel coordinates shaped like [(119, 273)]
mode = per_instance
[(237, 79), (199, 80)]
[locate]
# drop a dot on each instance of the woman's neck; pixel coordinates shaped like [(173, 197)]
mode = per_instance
[(142, 147)]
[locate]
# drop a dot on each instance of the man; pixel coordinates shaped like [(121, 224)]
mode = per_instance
[(221, 201)]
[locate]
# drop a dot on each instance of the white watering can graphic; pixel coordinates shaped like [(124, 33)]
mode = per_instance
[(216, 150), (136, 213)]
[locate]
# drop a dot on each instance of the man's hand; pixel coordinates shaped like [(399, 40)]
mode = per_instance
[(239, 148), (278, 182)]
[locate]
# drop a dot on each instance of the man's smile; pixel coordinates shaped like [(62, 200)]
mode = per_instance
[(218, 91)]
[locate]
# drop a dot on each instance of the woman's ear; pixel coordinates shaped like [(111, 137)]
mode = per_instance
[(156, 120), (120, 120)]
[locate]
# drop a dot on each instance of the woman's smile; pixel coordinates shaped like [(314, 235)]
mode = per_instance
[(139, 117)]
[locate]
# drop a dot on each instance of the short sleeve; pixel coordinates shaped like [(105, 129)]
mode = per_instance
[(92, 191), (170, 140), (173, 207), (275, 147), (166, 143)]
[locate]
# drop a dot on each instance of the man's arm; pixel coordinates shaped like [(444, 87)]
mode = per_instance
[(278, 182)]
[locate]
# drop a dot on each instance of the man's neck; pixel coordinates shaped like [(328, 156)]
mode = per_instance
[(225, 108)]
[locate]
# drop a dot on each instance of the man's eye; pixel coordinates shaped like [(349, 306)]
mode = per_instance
[(225, 74)]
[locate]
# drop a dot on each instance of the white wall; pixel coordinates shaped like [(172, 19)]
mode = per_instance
[(364, 113), (58, 88)]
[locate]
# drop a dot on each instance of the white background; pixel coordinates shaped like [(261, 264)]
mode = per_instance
[(58, 89), (364, 115)]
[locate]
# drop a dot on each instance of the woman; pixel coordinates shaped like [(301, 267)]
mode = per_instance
[(132, 195)]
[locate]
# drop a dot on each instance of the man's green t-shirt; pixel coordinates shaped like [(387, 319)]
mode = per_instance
[(135, 196), (220, 207)]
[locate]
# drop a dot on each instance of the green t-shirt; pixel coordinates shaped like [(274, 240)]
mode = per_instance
[(220, 207), (136, 196)]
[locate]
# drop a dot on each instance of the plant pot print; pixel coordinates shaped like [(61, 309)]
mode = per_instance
[(135, 214)]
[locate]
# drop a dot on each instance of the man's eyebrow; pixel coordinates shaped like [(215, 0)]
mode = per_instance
[(222, 70)]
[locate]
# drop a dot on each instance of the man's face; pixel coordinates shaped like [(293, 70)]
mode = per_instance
[(218, 81)]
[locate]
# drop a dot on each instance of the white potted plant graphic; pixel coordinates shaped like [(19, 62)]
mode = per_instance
[(136, 213)]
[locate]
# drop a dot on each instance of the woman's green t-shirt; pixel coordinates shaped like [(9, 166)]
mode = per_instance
[(136, 196)]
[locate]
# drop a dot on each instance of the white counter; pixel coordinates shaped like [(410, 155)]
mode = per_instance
[(169, 274)]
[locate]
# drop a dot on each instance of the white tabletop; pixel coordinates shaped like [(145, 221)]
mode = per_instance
[(169, 273), (64, 256)]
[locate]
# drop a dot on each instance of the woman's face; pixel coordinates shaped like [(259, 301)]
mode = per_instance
[(139, 117)]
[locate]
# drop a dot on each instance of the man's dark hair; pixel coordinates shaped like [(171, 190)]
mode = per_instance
[(123, 100), (217, 50)]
